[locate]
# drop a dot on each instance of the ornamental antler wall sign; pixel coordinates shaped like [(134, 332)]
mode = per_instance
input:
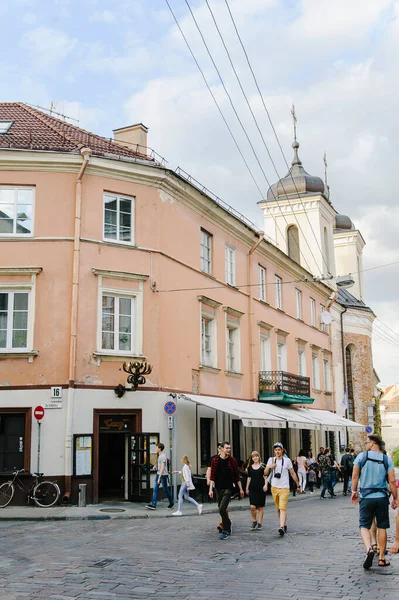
[(137, 371)]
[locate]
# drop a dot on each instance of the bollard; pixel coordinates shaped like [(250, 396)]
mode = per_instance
[(82, 494)]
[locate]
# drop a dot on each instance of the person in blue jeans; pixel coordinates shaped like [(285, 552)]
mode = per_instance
[(325, 469), (161, 479)]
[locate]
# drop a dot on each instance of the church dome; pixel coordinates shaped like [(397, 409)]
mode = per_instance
[(343, 222), (297, 181)]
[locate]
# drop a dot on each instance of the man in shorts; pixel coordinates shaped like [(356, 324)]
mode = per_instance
[(369, 488), (281, 467)]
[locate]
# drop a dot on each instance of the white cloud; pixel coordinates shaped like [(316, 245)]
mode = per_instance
[(47, 47), (105, 16), (29, 18)]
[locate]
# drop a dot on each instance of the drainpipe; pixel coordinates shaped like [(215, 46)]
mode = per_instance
[(344, 360), (252, 383), (85, 152)]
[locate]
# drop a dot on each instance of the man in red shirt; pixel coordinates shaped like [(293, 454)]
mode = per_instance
[(224, 474)]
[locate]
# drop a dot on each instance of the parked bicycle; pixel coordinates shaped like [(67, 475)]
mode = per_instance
[(43, 493)]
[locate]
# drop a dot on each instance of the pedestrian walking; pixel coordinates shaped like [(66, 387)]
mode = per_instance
[(347, 468), (224, 474), (302, 469), (371, 470), (325, 470), (208, 482), (255, 489), (311, 479), (161, 478), (394, 549), (281, 467), (186, 486)]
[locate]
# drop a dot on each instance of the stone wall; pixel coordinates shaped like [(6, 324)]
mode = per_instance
[(362, 377)]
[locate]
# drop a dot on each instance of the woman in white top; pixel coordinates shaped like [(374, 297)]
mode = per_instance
[(301, 462), (186, 486)]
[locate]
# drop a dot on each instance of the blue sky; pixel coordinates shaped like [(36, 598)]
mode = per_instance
[(112, 63)]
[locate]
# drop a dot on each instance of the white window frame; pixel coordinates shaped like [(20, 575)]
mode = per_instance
[(5, 126), (117, 332), (265, 352), (327, 374), (207, 355), (301, 361), (206, 252), (137, 316), (281, 355), (230, 265), (323, 326), (11, 291), (279, 292), (16, 188), (315, 371), (262, 283), (233, 355), (298, 300), (120, 197), (312, 307)]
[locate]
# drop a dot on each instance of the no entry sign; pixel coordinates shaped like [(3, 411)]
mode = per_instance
[(38, 413)]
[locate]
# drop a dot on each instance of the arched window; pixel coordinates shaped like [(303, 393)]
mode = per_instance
[(327, 250), (349, 384), (293, 243)]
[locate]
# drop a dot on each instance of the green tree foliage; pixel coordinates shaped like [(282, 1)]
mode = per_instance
[(377, 416), (395, 456)]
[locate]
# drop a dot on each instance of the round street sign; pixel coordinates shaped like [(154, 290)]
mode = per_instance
[(369, 429), (38, 413), (170, 407)]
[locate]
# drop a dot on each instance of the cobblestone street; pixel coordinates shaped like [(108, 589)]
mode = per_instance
[(320, 557)]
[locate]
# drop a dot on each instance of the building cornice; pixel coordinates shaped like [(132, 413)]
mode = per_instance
[(120, 275), (20, 270)]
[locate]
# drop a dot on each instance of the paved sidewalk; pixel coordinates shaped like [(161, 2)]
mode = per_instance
[(125, 510)]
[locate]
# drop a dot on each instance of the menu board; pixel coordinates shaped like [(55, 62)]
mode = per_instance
[(83, 454)]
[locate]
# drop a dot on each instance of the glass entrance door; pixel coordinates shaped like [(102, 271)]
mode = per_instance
[(143, 458)]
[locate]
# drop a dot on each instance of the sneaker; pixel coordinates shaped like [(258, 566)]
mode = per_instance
[(150, 507), (281, 531), (259, 525), (285, 528), (322, 497), (171, 505), (178, 513), (224, 535), (200, 507), (312, 492), (254, 525)]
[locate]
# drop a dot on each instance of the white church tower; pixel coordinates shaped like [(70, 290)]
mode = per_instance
[(300, 219)]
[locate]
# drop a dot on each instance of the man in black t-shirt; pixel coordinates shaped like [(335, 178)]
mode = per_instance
[(347, 467), (224, 474)]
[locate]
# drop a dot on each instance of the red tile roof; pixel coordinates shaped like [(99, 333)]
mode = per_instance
[(35, 130)]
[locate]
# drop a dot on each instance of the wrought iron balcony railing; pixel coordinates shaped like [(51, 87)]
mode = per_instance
[(280, 382)]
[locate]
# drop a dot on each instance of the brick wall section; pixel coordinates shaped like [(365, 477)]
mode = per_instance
[(362, 376)]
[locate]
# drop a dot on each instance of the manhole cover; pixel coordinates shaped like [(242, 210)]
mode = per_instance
[(112, 510)]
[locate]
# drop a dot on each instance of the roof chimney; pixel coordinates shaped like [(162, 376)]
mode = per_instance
[(131, 136)]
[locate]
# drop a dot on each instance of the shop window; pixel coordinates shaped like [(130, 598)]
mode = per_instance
[(205, 441)]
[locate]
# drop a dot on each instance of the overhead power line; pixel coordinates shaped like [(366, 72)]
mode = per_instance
[(275, 134), (261, 135), (241, 125)]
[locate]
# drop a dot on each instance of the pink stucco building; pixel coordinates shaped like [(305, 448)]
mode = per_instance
[(108, 257)]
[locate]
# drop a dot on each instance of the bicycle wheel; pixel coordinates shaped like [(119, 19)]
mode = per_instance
[(46, 494), (6, 494)]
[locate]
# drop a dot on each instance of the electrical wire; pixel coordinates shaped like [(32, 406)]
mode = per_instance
[(263, 139), (218, 287), (275, 133), (244, 131)]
